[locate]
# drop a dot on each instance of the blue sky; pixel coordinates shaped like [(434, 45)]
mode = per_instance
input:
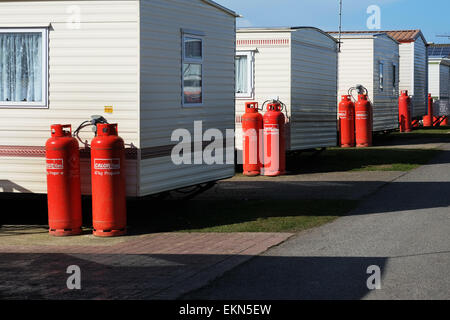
[(431, 16)]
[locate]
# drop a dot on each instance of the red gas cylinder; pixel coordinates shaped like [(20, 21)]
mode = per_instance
[(274, 141), (428, 119), (252, 126), (347, 122), (404, 112), (363, 121), (63, 182), (109, 212)]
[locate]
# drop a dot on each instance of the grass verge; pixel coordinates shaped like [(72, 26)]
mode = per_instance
[(338, 159), (154, 216), (422, 135)]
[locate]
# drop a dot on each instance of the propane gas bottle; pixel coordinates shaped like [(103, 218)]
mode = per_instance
[(347, 122), (274, 141), (108, 182), (363, 121), (428, 118), (404, 111), (252, 126), (63, 182)]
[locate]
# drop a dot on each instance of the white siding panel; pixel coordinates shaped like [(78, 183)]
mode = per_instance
[(406, 51), (302, 73), (27, 175), (38, 12), (439, 86), (444, 77), (413, 75), (167, 176), (385, 102), (314, 90), (161, 109), (355, 65), (272, 74), (419, 100), (358, 64), (434, 82), (89, 68)]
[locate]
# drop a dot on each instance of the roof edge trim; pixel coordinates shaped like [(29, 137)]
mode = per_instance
[(220, 7)]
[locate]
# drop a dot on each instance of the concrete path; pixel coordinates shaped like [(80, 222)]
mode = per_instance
[(404, 229), (329, 185), (158, 266)]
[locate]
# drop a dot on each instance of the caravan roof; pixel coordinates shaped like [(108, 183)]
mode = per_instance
[(282, 29)]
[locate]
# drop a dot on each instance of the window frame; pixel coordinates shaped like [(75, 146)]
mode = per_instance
[(184, 60), (45, 64), (251, 78)]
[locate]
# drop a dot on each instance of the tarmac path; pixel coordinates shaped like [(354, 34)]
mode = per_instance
[(403, 229)]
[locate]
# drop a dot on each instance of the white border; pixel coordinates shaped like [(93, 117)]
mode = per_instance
[(194, 35), (32, 105), (251, 77)]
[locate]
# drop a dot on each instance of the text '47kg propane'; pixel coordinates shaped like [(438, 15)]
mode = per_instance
[(63, 182), (108, 182), (274, 140)]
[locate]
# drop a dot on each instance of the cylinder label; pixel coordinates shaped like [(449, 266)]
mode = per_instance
[(362, 115), (107, 167), (271, 129), (55, 164), (343, 114), (107, 164)]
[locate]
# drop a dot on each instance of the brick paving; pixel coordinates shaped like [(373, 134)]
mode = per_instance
[(155, 266)]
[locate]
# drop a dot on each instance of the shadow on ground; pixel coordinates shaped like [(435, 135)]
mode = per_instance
[(152, 216), (417, 136), (146, 216), (43, 276), (352, 159)]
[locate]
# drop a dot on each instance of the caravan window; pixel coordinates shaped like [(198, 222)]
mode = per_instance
[(381, 74), (394, 76), (192, 48), (244, 74), (192, 70), (23, 68)]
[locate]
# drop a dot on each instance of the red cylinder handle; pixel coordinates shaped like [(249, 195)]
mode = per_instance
[(67, 126), (57, 130), (107, 129), (251, 106), (274, 106)]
